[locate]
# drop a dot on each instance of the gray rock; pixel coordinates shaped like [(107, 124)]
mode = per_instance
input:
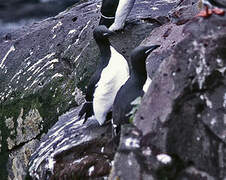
[(183, 112), (71, 149), (19, 159), (37, 74), (44, 67), (126, 163)]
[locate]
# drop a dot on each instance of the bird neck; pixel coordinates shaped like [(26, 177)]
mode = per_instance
[(139, 75), (105, 52)]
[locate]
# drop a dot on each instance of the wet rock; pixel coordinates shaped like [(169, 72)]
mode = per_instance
[(185, 11), (11, 11), (126, 163), (37, 74), (27, 128), (19, 159), (73, 150), (183, 112)]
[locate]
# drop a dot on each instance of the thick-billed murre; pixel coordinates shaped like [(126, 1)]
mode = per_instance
[(123, 10), (134, 86), (114, 13), (112, 72)]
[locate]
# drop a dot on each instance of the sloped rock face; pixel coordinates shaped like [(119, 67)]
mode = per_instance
[(72, 150), (37, 74), (183, 113), (44, 66)]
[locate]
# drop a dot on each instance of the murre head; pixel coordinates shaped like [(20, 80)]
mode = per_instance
[(139, 55), (101, 33)]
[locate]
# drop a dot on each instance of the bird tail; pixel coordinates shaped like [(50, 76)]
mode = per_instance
[(87, 109)]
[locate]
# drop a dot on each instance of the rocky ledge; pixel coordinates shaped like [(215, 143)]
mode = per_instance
[(178, 132)]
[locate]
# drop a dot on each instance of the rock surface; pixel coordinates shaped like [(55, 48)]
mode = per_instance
[(15, 14), (38, 81), (70, 148), (44, 66), (179, 129), (183, 113)]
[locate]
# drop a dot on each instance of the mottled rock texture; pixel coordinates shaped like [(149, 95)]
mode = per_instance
[(44, 67), (40, 69), (183, 113), (88, 164), (179, 129)]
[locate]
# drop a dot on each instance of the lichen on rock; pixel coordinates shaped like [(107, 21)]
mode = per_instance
[(28, 127)]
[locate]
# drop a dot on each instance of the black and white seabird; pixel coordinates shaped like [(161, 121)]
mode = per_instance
[(108, 10), (123, 10), (134, 87), (115, 12), (112, 72), (215, 6)]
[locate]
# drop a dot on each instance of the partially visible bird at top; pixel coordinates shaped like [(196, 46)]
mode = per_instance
[(112, 72), (115, 12), (212, 6), (134, 87), (123, 10), (108, 10)]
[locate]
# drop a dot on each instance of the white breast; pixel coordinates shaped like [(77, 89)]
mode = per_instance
[(113, 76), (123, 10), (147, 84)]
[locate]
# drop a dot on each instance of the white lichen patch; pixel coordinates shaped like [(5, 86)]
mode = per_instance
[(224, 101), (208, 102), (19, 159), (72, 31), (213, 121), (16, 75), (147, 151), (202, 69), (222, 70), (164, 158), (81, 52), (48, 56), (57, 75), (83, 29), (54, 36), (102, 150), (12, 48), (59, 24), (91, 169), (154, 8), (9, 123), (27, 128), (11, 143), (50, 164), (132, 143), (28, 79), (220, 62)]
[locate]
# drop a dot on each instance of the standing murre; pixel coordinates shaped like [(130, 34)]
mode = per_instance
[(134, 86), (123, 10), (114, 13), (108, 10), (112, 72)]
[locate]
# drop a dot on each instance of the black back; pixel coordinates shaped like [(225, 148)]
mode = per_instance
[(108, 9), (133, 87), (100, 34)]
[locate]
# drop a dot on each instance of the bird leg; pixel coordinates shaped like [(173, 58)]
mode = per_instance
[(218, 11), (205, 13)]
